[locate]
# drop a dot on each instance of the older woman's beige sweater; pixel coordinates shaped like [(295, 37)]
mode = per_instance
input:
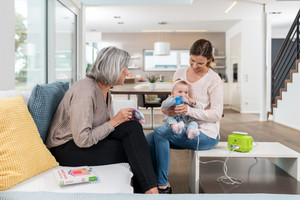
[(82, 116)]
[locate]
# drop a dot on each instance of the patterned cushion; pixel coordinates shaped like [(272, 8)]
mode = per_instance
[(22, 152), (43, 103)]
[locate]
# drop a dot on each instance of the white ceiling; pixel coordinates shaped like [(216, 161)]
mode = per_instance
[(139, 15)]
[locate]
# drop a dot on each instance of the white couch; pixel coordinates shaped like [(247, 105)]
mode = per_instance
[(115, 178)]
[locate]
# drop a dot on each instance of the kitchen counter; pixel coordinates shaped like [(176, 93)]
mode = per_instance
[(142, 88)]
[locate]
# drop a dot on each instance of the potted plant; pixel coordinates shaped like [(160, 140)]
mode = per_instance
[(152, 81), (152, 78)]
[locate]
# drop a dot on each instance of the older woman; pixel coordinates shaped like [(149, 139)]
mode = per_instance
[(83, 131)]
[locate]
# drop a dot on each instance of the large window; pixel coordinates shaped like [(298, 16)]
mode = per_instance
[(176, 59), (30, 43), (91, 50), (45, 43), (65, 45)]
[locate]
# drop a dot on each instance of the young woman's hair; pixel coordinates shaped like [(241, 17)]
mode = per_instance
[(109, 65), (203, 48)]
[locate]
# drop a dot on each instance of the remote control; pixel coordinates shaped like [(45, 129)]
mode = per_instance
[(240, 133)]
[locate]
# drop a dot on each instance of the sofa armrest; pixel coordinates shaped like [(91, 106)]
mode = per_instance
[(12, 93)]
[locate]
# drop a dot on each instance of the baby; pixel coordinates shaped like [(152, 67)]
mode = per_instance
[(180, 88)]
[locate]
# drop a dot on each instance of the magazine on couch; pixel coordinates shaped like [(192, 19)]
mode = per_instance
[(73, 175)]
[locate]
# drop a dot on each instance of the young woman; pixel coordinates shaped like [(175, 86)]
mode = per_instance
[(206, 88)]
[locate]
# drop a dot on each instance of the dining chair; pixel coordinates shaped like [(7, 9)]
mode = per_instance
[(150, 101)]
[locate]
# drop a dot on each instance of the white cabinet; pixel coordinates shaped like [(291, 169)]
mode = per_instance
[(219, 65), (225, 94), (235, 96), (220, 62)]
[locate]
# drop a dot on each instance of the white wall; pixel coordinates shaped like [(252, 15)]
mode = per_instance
[(279, 33), (7, 41), (288, 109), (251, 62)]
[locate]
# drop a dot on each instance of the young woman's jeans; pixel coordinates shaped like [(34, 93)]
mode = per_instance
[(163, 138)]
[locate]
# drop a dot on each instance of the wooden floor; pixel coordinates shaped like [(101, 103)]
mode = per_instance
[(232, 121)]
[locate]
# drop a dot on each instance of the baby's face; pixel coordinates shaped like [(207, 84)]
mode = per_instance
[(180, 90)]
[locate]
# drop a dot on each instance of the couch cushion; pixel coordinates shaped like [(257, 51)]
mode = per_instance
[(114, 178), (43, 103), (22, 151)]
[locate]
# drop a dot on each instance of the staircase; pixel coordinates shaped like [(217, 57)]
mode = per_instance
[(286, 63)]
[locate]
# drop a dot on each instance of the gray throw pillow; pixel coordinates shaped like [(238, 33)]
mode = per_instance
[(43, 103)]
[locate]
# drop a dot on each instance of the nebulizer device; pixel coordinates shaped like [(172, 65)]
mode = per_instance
[(240, 141)]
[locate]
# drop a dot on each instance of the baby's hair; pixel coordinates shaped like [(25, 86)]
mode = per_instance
[(180, 81)]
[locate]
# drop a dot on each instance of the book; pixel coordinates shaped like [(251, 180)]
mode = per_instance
[(73, 175)]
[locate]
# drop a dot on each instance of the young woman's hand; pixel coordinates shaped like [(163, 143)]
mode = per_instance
[(122, 116), (181, 109), (168, 111)]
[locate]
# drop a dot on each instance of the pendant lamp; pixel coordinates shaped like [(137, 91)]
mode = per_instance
[(162, 48)]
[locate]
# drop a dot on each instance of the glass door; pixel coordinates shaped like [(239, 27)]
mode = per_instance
[(65, 44), (30, 43)]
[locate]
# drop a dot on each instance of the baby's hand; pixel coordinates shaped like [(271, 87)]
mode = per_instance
[(191, 100)]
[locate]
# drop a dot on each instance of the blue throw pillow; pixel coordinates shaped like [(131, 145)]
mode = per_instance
[(43, 103)]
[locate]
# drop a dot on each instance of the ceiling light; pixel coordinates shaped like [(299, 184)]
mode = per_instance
[(275, 13), (120, 22), (156, 31), (230, 7), (162, 48), (191, 30), (117, 17), (162, 23)]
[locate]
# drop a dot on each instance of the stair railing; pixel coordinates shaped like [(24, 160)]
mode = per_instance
[(285, 59)]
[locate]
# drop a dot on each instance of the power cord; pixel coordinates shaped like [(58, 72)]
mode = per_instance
[(226, 178), (256, 144)]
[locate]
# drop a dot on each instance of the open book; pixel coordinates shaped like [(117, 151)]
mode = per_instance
[(72, 175)]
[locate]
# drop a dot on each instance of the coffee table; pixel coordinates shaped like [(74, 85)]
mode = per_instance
[(258, 175), (285, 158)]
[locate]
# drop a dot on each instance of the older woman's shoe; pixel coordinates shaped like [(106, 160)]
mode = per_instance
[(167, 190)]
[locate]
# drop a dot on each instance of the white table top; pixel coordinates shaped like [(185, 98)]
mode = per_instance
[(142, 88), (262, 150)]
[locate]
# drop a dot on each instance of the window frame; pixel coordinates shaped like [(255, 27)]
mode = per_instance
[(48, 71), (51, 39)]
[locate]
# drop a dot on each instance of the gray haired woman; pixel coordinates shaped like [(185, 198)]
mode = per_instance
[(83, 131)]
